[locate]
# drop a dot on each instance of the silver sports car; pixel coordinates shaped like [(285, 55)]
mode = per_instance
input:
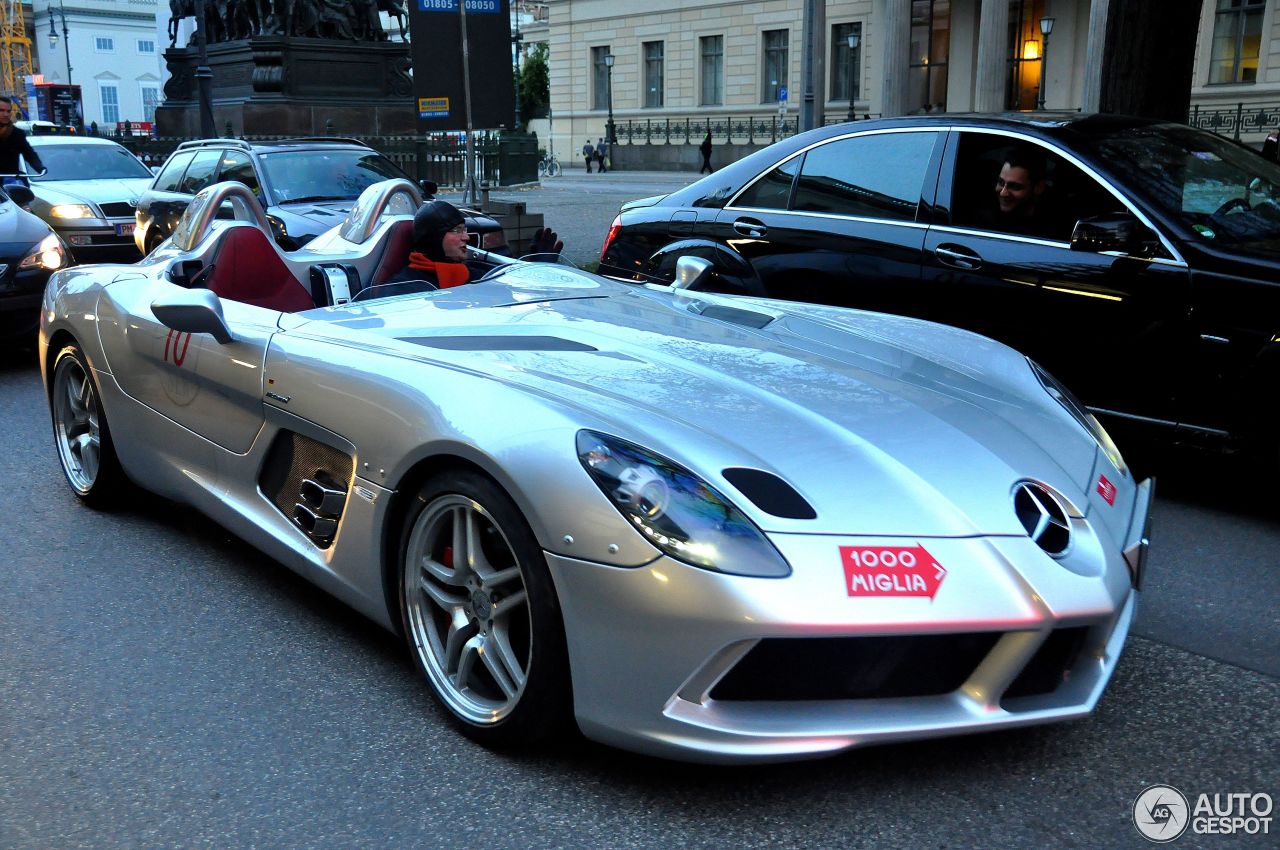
[(699, 528)]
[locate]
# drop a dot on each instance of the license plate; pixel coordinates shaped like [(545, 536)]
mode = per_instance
[(125, 229)]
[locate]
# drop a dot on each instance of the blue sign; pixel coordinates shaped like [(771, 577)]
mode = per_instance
[(494, 6), (782, 90)]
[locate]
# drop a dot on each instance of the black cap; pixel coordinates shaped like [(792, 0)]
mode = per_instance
[(430, 223)]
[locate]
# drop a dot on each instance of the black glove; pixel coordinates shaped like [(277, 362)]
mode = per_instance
[(546, 245)]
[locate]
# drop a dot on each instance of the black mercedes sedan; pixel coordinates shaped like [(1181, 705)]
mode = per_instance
[(29, 252), (1138, 261)]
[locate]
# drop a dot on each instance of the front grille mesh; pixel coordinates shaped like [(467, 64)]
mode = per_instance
[(855, 668), (117, 210)]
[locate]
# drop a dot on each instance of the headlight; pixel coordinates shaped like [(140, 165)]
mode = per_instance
[(1080, 413), (676, 511), (49, 254), (72, 211)]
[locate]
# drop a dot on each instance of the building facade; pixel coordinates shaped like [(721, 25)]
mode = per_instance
[(672, 66), (110, 48)]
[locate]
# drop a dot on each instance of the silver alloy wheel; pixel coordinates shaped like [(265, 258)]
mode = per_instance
[(468, 609), (75, 420)]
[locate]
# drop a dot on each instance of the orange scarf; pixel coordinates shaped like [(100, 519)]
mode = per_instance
[(448, 274)]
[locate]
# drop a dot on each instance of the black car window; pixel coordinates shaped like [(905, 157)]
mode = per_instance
[(236, 165), (772, 191), (200, 172), (988, 191), (879, 175), (171, 175)]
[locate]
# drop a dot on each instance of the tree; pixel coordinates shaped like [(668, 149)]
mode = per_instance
[(535, 84), (1150, 51)]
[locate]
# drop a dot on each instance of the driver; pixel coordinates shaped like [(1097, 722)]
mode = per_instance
[(438, 254)]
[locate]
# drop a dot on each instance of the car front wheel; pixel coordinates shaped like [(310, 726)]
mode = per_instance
[(80, 430), (481, 615)]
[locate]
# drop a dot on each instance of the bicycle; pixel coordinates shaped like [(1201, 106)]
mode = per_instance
[(549, 166)]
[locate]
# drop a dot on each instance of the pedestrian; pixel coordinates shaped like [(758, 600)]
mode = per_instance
[(602, 156), (14, 144), (1271, 147), (588, 153), (705, 150)]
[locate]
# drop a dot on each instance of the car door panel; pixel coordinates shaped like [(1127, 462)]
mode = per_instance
[(213, 389)]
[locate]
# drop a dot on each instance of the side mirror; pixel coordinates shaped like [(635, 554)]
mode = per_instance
[(1120, 232), (429, 188), (19, 194), (194, 311), (691, 272)]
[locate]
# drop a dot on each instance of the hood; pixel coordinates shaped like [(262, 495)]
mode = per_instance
[(19, 230), (315, 217), (923, 428), (106, 191)]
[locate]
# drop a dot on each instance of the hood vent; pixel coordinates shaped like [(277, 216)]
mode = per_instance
[(770, 493), (499, 343)]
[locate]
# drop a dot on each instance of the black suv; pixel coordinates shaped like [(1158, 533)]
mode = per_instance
[(306, 186), (1149, 287)]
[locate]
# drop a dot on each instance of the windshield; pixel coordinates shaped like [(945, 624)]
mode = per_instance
[(89, 162), (1223, 192), (327, 175)]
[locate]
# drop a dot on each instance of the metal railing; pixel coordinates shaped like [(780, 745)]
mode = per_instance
[(724, 129), (1235, 120)]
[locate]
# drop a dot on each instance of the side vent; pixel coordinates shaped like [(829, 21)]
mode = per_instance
[(308, 481), (770, 493)]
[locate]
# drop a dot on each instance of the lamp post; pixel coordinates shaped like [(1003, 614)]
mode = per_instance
[(853, 45), (204, 77), (53, 35), (1046, 27), (609, 129), (515, 41)]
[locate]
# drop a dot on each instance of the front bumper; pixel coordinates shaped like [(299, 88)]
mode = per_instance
[(99, 240), (654, 649)]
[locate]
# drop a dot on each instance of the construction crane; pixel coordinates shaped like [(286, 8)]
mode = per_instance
[(15, 53)]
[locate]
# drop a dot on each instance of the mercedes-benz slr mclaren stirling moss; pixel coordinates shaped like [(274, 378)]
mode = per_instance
[(702, 529)]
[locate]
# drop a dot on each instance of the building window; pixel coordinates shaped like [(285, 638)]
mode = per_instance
[(146, 46), (844, 66), (652, 73), (930, 48), (110, 104), (104, 44), (711, 49), (1026, 54), (775, 65), (1237, 37), (150, 99), (599, 78)]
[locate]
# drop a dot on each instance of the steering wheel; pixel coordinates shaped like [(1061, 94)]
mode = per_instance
[(1231, 204)]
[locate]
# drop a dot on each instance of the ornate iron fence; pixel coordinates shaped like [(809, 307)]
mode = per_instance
[(1235, 120), (724, 129)]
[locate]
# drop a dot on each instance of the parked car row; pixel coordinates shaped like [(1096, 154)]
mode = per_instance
[(1147, 284)]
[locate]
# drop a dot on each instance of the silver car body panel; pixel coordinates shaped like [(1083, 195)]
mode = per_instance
[(897, 432)]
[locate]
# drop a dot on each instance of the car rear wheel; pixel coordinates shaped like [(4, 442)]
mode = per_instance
[(480, 613), (80, 430)]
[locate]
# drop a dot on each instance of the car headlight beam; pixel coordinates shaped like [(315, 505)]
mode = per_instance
[(72, 211), (676, 511), (49, 254)]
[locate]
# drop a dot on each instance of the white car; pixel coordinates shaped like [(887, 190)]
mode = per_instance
[(88, 194)]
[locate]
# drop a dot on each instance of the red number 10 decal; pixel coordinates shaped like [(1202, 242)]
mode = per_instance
[(173, 341)]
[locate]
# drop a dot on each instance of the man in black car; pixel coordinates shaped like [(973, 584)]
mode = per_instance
[(1020, 204), (13, 142)]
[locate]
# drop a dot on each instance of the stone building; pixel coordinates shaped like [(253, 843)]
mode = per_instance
[(679, 64)]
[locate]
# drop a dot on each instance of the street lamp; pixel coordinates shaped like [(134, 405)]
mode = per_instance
[(1046, 27), (53, 35), (853, 45), (515, 42), (609, 130)]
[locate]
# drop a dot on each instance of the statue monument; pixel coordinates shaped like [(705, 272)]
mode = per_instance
[(292, 67)]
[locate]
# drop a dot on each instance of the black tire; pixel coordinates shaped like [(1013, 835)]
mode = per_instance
[(503, 678), (153, 242), (80, 431)]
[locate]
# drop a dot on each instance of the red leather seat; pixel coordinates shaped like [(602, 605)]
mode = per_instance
[(396, 255), (248, 268)]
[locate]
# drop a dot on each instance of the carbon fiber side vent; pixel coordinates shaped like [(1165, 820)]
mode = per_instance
[(770, 493), (308, 482)]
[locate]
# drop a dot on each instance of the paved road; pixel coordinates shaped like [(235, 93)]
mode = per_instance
[(163, 685), (581, 206)]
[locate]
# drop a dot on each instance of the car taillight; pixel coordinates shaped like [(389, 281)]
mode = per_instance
[(613, 233)]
